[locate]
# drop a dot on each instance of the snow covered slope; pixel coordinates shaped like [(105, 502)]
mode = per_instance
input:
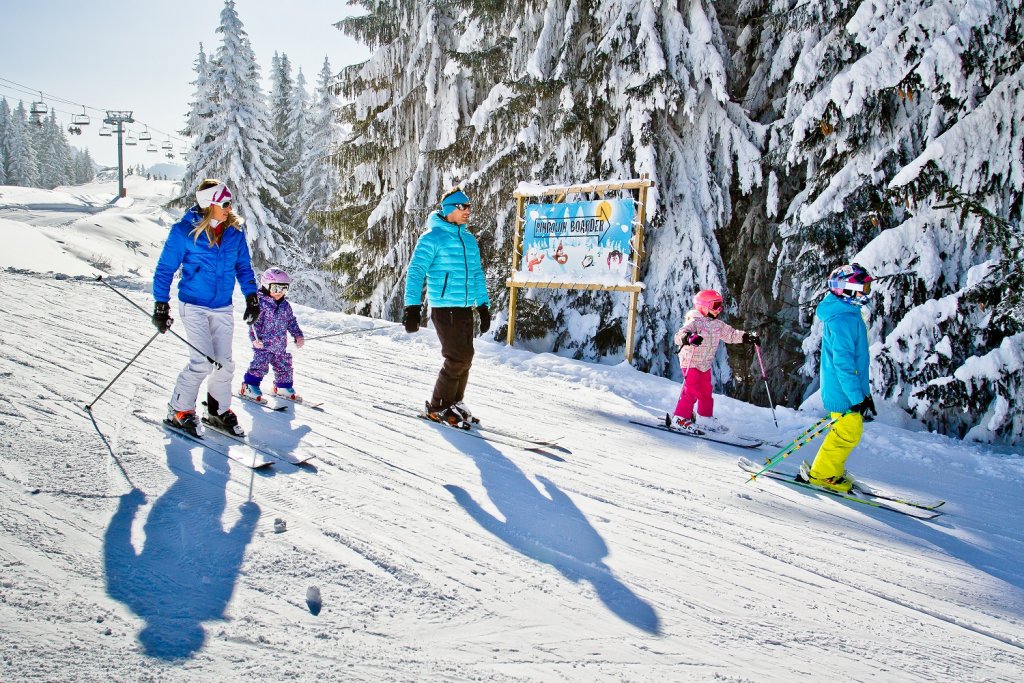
[(129, 553)]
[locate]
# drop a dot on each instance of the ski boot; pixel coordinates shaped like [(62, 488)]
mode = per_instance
[(226, 422), (710, 424), (449, 416), (252, 392), (460, 408), (184, 420), (842, 484), (681, 424), (287, 393)]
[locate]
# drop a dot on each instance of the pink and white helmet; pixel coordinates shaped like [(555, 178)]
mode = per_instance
[(274, 276), (219, 194), (708, 302)]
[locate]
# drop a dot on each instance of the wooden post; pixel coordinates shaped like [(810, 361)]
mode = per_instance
[(514, 294), (638, 254)]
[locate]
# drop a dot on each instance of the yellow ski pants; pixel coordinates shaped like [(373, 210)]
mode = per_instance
[(841, 439)]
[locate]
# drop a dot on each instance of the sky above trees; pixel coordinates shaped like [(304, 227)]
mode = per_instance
[(141, 57)]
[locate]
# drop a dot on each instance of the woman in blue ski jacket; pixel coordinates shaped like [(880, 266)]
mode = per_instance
[(447, 257), (207, 246)]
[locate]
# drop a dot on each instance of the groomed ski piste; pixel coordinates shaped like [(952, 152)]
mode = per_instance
[(127, 553)]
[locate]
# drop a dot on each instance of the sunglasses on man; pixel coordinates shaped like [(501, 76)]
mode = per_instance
[(462, 207)]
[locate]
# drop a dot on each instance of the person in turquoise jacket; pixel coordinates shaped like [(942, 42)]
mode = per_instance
[(208, 248), (845, 378), (447, 258)]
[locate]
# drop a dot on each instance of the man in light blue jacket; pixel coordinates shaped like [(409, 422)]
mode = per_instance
[(447, 257)]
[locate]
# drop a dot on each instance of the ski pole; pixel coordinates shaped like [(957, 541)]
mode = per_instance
[(89, 406), (335, 334), (216, 362), (764, 376), (804, 438)]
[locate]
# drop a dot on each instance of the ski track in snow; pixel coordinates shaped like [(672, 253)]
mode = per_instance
[(131, 554)]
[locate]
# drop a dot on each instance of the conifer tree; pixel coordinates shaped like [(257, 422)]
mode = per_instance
[(203, 109), (237, 147), (23, 169), (893, 125), (320, 180), (491, 95), (5, 118), (55, 155)]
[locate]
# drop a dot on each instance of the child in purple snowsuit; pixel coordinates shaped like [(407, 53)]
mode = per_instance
[(269, 336)]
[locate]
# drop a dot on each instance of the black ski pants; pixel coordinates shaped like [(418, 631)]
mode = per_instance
[(454, 328)]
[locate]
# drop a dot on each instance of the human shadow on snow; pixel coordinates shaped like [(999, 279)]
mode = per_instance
[(546, 526), (186, 571)]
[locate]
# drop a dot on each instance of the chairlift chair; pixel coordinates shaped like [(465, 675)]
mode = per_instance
[(170, 155), (131, 140), (80, 119), (151, 147), (38, 108), (145, 135), (74, 130), (167, 145), (105, 131)]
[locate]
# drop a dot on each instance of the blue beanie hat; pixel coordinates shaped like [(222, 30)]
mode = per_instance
[(449, 202)]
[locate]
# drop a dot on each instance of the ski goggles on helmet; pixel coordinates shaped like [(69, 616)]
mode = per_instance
[(277, 288)]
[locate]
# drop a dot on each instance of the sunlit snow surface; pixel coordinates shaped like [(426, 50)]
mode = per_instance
[(129, 554)]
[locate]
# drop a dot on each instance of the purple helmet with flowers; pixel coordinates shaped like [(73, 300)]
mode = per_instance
[(851, 283), (274, 276)]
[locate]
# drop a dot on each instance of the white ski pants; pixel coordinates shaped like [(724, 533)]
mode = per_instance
[(210, 330)]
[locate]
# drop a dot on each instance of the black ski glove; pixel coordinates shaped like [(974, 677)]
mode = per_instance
[(752, 338), (162, 319), (485, 317), (693, 340), (865, 407), (411, 318), (252, 309)]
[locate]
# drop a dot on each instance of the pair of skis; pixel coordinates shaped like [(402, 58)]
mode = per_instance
[(862, 493), (281, 407), (540, 446), (717, 437), (261, 456)]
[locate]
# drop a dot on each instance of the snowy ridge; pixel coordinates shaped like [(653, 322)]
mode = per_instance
[(129, 553)]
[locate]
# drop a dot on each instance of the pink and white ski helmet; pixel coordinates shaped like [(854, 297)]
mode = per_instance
[(219, 194), (708, 302), (274, 276)]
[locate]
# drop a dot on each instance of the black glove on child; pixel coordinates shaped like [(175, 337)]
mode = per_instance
[(252, 309), (865, 407), (162, 319), (693, 340), (751, 338), (485, 317), (411, 318)]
